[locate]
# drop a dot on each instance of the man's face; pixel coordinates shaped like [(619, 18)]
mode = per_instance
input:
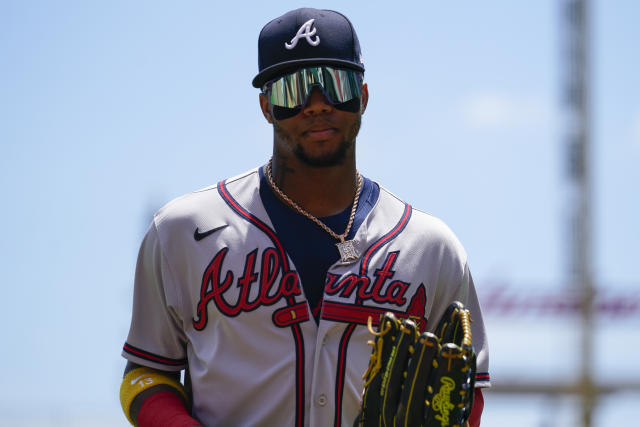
[(320, 135)]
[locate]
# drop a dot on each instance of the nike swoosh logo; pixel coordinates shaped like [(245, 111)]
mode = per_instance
[(199, 236)]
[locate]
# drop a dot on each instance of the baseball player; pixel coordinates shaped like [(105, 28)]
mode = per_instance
[(259, 288)]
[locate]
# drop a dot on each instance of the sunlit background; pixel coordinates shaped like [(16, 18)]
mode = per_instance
[(110, 109)]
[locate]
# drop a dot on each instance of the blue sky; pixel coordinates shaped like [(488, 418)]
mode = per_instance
[(110, 109)]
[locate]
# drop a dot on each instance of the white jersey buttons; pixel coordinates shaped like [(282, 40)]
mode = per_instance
[(321, 400)]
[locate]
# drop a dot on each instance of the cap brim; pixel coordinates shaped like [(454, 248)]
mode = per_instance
[(281, 68)]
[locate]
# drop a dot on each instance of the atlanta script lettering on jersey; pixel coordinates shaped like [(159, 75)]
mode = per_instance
[(216, 282), (360, 284)]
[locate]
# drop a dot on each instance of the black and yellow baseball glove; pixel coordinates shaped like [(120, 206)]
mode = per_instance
[(418, 379)]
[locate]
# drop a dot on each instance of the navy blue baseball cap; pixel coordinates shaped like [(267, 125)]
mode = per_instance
[(305, 37)]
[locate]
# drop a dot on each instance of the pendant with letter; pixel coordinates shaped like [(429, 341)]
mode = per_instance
[(347, 251)]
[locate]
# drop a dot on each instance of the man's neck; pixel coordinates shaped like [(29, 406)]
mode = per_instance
[(321, 191)]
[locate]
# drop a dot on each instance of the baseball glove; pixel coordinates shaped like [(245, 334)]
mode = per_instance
[(418, 379)]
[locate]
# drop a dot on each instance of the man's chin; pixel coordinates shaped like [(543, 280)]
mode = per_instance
[(325, 160)]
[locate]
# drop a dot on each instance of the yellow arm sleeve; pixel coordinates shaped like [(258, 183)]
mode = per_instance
[(141, 379)]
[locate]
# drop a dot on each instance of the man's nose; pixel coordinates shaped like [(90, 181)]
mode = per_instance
[(317, 103)]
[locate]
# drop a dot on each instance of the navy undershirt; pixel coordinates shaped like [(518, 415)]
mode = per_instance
[(312, 249)]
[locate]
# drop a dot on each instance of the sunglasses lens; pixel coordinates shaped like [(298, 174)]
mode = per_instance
[(292, 90)]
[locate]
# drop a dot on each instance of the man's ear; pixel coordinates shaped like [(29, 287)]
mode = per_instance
[(364, 98), (266, 108)]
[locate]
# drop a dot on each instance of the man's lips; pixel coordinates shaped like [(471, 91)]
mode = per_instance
[(320, 133)]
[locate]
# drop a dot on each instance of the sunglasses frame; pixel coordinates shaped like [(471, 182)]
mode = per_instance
[(292, 90)]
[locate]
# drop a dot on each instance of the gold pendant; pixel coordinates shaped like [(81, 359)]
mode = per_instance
[(347, 251)]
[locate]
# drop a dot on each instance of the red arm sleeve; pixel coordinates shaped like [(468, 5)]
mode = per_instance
[(478, 406), (164, 409)]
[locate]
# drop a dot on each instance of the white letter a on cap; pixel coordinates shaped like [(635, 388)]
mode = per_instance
[(307, 32)]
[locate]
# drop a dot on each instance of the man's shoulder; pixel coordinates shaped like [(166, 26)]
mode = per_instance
[(389, 200), (423, 226), (206, 202)]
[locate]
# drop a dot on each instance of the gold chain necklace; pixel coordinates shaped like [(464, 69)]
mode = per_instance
[(345, 247)]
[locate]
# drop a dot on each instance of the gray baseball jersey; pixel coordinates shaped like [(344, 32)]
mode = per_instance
[(216, 290)]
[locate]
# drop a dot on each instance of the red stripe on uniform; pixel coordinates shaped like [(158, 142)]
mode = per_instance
[(299, 375), (152, 357), (342, 357), (297, 335), (483, 376), (358, 316), (222, 189), (384, 239)]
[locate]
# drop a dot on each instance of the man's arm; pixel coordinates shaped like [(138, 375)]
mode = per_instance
[(139, 399), (161, 405)]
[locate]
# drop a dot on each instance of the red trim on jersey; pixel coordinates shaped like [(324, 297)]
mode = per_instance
[(222, 189), (128, 348), (359, 314), (300, 403), (295, 328), (287, 316), (342, 360), (346, 336), (483, 376), (385, 239)]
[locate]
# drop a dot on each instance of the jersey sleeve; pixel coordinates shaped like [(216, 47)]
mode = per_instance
[(479, 337), (156, 338), (456, 284)]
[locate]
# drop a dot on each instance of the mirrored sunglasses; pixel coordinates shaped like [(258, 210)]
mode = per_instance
[(292, 90)]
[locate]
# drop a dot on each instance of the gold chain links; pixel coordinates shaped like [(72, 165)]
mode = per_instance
[(301, 211)]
